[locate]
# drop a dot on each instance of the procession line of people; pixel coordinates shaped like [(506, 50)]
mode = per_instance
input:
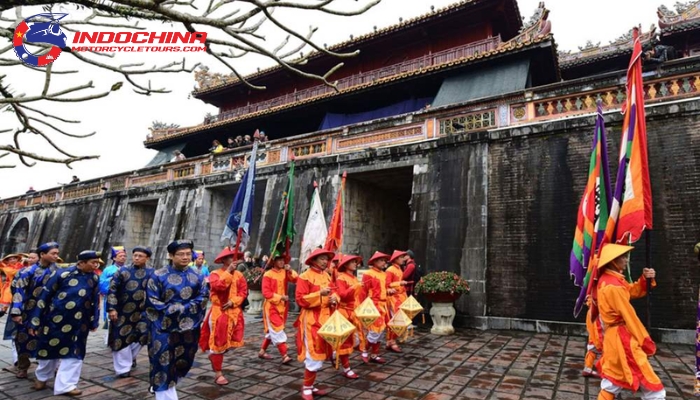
[(52, 310)]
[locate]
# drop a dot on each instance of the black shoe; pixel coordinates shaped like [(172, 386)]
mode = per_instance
[(124, 375), (133, 364)]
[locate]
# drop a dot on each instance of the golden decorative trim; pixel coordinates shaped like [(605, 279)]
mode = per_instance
[(380, 137)]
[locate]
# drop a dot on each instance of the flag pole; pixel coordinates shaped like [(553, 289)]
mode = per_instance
[(647, 235), (238, 243)]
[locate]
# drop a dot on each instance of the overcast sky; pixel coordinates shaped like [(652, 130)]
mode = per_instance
[(121, 120)]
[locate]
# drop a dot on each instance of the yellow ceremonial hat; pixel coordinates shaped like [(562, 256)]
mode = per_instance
[(610, 252)]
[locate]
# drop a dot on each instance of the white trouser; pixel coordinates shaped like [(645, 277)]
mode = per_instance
[(310, 364), (646, 394), (169, 394), (14, 353), (124, 358), (374, 337), (67, 377), (275, 337)]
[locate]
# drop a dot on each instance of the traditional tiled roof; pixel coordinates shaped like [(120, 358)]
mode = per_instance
[(685, 18), (506, 48), (219, 81), (591, 53)]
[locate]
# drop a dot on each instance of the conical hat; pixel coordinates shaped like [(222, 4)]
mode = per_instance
[(377, 256), (227, 252), (317, 253), (346, 259), (610, 252), (16, 255), (396, 254)]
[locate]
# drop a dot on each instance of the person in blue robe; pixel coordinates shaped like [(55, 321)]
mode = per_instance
[(175, 304), (67, 309), (10, 326), (26, 288), (199, 264), (118, 258), (126, 305)]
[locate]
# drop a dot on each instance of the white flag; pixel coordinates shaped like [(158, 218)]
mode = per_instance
[(315, 232)]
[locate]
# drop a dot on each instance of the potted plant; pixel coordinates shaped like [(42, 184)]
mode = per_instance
[(253, 277), (442, 289)]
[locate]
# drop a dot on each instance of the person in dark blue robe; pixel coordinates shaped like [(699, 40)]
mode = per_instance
[(10, 326), (118, 258), (126, 305), (175, 304), (26, 287), (67, 309)]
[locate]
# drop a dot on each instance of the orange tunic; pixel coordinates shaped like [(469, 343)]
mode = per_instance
[(315, 311), (9, 271), (223, 329), (351, 294), (595, 330), (274, 286), (394, 276), (626, 343), (374, 282)]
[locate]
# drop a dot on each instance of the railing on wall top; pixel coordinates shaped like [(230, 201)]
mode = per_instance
[(362, 78), (554, 101)]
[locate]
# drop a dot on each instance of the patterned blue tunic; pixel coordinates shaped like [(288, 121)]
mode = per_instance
[(175, 306), (127, 296), (67, 309), (26, 288)]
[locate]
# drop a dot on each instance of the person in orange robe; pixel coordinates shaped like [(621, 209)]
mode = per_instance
[(223, 327), (594, 345), (396, 289), (315, 295), (374, 283), (9, 267), (276, 307), (332, 269), (351, 294), (626, 343)]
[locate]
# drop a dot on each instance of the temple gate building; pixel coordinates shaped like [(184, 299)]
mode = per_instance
[(466, 137)]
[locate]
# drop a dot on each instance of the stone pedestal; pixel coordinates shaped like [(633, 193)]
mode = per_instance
[(255, 301), (442, 314)]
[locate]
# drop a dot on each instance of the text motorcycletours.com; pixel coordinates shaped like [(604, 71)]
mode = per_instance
[(152, 41)]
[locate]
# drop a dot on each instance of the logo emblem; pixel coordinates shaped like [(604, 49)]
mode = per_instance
[(35, 29)]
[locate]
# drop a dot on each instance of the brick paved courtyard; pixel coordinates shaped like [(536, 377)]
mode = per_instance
[(468, 365)]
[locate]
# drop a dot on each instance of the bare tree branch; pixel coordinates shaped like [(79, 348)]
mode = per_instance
[(233, 32)]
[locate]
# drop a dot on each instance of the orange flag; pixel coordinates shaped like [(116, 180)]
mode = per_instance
[(335, 232)]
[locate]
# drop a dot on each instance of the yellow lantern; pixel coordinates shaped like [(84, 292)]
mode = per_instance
[(399, 323), (411, 307), (336, 330), (367, 312)]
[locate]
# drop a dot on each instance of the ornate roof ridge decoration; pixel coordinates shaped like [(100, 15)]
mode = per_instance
[(534, 35), (685, 17), (538, 26), (591, 52), (207, 82)]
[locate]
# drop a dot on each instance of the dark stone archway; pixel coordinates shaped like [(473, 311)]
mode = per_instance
[(17, 239)]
